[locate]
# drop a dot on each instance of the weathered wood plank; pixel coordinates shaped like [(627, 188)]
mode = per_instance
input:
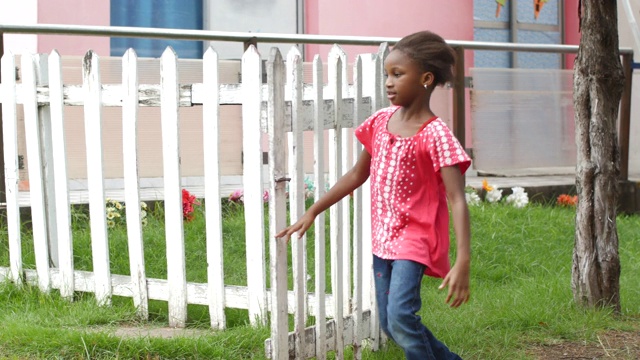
[(378, 101), (149, 94), (33, 135), (62, 205), (176, 266), (319, 228), (311, 336), (132, 183), (158, 289), (12, 176), (252, 183), (345, 162), (357, 305), (297, 193), (277, 204), (211, 148), (335, 213), (95, 177)]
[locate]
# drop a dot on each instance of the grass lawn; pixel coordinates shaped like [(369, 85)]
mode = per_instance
[(521, 294)]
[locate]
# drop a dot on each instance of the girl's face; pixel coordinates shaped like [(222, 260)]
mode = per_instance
[(405, 79)]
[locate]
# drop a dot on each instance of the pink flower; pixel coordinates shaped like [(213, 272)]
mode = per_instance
[(237, 196), (265, 196)]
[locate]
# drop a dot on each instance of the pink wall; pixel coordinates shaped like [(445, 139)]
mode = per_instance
[(571, 33), (74, 12), (379, 18)]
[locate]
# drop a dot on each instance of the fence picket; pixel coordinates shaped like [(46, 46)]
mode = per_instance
[(132, 184), (176, 267), (383, 101), (211, 148), (376, 93), (62, 205), (335, 213), (346, 163), (10, 140), (357, 221), (277, 206), (95, 177), (319, 229), (36, 174), (253, 191), (297, 196)]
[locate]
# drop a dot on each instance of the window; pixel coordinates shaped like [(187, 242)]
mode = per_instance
[(184, 14), (516, 23)]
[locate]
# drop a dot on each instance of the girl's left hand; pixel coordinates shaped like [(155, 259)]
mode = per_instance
[(458, 281)]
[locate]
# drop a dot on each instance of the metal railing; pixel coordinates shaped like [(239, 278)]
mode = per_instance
[(459, 104)]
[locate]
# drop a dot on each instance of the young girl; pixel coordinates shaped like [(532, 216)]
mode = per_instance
[(415, 164)]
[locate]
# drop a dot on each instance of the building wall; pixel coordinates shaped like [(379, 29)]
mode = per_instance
[(23, 13), (74, 12), (378, 18)]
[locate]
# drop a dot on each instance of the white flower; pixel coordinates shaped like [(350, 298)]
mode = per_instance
[(518, 198), (494, 195), (472, 198)]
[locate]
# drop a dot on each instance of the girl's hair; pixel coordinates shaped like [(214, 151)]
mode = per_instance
[(431, 52)]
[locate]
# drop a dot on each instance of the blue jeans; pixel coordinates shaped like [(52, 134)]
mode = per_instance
[(398, 295)]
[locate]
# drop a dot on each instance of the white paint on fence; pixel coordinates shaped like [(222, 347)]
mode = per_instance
[(277, 206), (95, 177), (33, 134), (319, 228), (297, 195), (357, 223), (10, 139), (335, 213), (62, 206), (130, 102), (173, 199), (211, 148), (252, 182)]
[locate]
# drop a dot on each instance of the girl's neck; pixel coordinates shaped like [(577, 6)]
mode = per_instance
[(416, 112)]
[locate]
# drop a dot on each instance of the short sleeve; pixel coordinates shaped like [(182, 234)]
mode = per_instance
[(366, 130), (446, 149)]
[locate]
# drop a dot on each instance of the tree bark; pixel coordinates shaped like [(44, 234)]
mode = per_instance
[(598, 84)]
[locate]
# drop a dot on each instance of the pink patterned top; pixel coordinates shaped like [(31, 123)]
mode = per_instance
[(410, 217)]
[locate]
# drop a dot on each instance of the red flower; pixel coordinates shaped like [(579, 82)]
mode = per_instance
[(188, 201), (567, 200)]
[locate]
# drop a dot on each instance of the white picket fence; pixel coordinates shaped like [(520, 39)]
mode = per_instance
[(284, 108)]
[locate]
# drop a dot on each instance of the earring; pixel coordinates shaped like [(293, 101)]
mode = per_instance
[(425, 86)]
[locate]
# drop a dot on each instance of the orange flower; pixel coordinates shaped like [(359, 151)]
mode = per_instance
[(567, 200), (485, 186)]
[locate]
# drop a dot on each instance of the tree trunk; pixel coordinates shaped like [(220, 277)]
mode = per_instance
[(598, 84)]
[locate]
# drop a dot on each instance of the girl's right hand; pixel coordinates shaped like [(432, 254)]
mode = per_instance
[(301, 226)]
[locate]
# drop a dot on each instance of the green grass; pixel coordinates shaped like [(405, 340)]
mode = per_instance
[(521, 293)]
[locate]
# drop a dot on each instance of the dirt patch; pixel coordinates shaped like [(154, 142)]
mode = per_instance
[(608, 345)]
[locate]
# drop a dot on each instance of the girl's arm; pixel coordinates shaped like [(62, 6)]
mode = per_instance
[(350, 181), (458, 278)]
